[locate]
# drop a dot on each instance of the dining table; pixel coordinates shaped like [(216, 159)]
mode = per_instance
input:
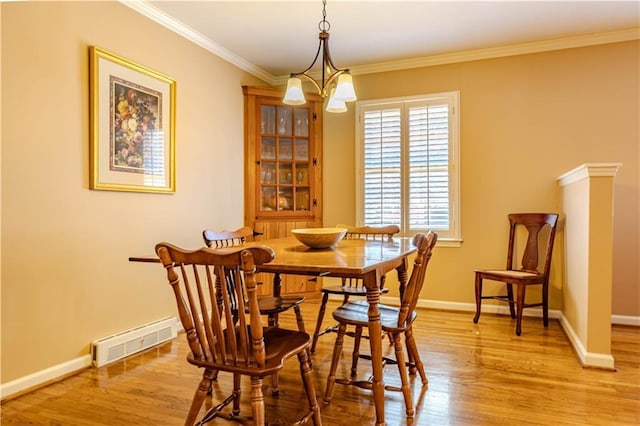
[(363, 259)]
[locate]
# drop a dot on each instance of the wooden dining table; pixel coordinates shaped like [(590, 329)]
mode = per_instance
[(367, 260)]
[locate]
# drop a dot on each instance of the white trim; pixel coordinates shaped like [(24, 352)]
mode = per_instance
[(587, 170), (588, 359), (625, 320), (502, 309), (501, 51), (44, 376), (488, 308), (147, 9)]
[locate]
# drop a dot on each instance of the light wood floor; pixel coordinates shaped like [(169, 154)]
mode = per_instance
[(478, 375)]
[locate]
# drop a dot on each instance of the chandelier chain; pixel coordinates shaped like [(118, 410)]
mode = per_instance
[(324, 25), (333, 80)]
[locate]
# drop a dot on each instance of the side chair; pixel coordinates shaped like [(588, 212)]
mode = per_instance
[(351, 287), (530, 271), (270, 306), (218, 342), (397, 321)]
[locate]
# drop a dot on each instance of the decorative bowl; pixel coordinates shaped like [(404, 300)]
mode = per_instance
[(319, 237)]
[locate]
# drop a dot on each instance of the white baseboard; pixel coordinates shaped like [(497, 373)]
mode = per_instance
[(625, 320), (489, 308), (44, 376), (502, 309), (588, 359)]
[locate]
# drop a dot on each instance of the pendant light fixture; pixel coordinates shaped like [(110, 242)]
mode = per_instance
[(340, 92)]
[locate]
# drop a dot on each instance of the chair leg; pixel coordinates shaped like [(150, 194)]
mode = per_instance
[(511, 302), (519, 307), (478, 297), (257, 401), (199, 397), (275, 384), (236, 389), (300, 323), (316, 333), (404, 377), (299, 320), (337, 349), (545, 303), (272, 320), (309, 388), (356, 350), (414, 355)]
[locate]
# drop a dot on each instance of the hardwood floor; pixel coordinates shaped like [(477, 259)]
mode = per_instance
[(478, 375)]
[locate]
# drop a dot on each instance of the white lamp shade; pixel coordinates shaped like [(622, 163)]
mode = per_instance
[(335, 105), (344, 89), (294, 94)]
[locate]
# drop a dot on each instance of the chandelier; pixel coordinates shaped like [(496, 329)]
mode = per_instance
[(339, 93)]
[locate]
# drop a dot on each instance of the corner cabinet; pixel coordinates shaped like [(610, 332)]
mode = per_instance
[(283, 171)]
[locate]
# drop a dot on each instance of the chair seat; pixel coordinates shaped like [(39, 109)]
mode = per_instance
[(280, 344), (273, 305), (357, 313), (349, 290), (517, 276)]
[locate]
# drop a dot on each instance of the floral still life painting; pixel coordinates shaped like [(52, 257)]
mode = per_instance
[(132, 126)]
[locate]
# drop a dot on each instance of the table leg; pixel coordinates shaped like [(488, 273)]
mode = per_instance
[(277, 286), (375, 342)]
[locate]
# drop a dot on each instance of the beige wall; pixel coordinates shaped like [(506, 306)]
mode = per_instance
[(66, 280), (525, 120), (65, 276)]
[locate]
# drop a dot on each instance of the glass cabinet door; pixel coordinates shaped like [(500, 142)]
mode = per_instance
[(284, 159)]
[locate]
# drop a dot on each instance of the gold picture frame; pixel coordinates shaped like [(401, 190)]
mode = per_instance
[(132, 126)]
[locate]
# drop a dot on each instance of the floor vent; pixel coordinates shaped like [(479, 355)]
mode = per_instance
[(118, 346)]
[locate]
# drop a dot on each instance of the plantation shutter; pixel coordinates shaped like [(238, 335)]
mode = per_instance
[(407, 163), (382, 167), (428, 194)]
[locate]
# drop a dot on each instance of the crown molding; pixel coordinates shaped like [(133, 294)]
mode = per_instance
[(145, 8), (490, 53), (501, 51), (155, 14)]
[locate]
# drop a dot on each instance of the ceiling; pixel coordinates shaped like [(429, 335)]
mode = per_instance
[(273, 38)]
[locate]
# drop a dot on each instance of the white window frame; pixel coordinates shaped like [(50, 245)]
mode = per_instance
[(452, 236)]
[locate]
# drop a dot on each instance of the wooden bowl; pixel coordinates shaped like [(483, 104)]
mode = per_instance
[(319, 237)]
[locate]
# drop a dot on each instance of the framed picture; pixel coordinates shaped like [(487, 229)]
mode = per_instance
[(132, 126)]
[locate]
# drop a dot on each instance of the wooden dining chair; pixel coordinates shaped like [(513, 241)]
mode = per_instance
[(529, 272), (397, 321), (351, 287), (220, 342), (271, 306)]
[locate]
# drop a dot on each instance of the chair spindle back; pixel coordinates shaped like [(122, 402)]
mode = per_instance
[(223, 239), (382, 233), (218, 331)]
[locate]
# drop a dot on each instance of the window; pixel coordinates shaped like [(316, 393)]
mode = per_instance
[(408, 164)]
